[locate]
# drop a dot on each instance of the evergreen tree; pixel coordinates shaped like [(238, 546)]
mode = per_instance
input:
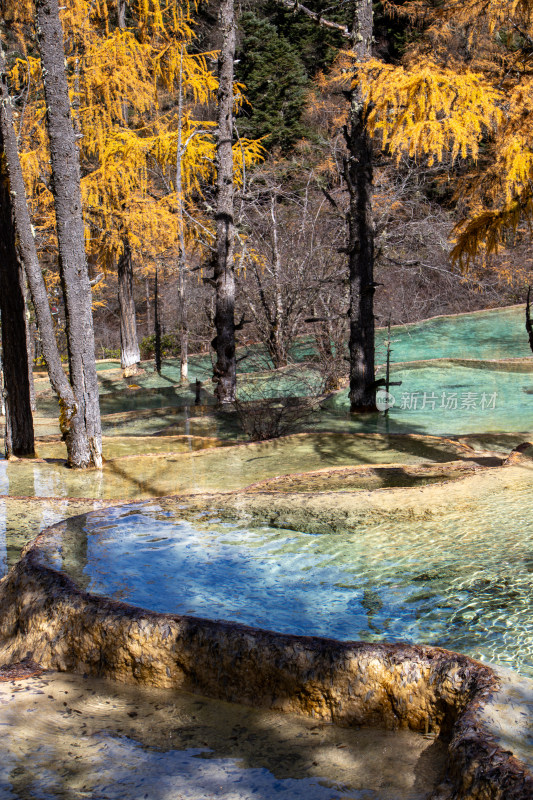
[(276, 84)]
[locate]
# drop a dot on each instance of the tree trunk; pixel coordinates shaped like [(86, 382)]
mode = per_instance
[(184, 329), (130, 354), (85, 431), (30, 341), (277, 348), (157, 325), (28, 253), (358, 177), (225, 368), (19, 436), (148, 314), (182, 255)]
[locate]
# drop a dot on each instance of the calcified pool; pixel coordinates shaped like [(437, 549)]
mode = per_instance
[(438, 580)]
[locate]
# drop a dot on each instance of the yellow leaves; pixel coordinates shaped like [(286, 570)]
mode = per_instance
[(115, 68), (485, 231), (199, 82), (246, 153), (427, 111), (119, 80), (491, 13)]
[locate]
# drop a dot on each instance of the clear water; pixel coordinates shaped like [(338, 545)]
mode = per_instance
[(21, 519), (448, 400), (151, 403), (74, 738), (461, 580), (221, 468), (118, 446), (486, 335)]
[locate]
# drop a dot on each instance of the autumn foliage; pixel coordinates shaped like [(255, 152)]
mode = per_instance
[(123, 84)]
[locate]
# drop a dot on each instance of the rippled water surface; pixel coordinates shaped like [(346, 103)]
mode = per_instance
[(461, 579)]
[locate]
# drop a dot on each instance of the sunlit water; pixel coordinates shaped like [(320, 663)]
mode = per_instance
[(144, 476), (461, 580), (496, 334), (74, 738)]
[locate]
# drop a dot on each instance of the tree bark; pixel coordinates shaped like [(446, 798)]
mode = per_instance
[(30, 342), (28, 253), (358, 177), (19, 435), (225, 368), (85, 432), (182, 255), (148, 314), (157, 325), (277, 341), (130, 355)]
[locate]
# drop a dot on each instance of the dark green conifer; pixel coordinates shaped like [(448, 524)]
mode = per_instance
[(276, 84)]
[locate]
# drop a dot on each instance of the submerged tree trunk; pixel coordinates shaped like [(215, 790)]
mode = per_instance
[(28, 253), (224, 277), (358, 178), (85, 437), (19, 435), (130, 355)]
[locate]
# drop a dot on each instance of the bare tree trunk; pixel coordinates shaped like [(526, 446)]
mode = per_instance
[(121, 14), (184, 328), (130, 355), (225, 368), (28, 252), (182, 256), (85, 431), (19, 435), (277, 344), (148, 311), (30, 341), (157, 325), (358, 177)]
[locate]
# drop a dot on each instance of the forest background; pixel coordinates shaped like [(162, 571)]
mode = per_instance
[(291, 199)]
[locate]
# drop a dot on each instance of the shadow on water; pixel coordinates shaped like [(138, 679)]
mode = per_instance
[(99, 739)]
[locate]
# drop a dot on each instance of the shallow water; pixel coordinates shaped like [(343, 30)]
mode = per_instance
[(22, 519), (499, 333), (75, 738), (214, 469), (461, 580), (449, 400), (118, 446)]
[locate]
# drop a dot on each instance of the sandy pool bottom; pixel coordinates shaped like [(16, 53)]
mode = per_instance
[(64, 736)]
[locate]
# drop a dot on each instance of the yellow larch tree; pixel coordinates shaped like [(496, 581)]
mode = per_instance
[(146, 158), (490, 42)]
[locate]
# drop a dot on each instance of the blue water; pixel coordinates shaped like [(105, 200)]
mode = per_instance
[(464, 585), (450, 400), (494, 334)]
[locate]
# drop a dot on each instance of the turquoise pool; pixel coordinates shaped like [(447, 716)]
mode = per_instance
[(461, 580)]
